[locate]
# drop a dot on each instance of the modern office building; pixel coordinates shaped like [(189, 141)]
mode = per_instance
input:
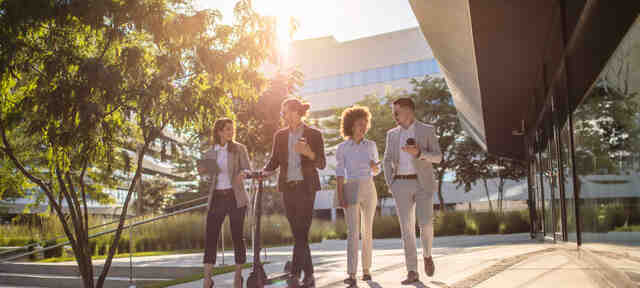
[(154, 165), (338, 74), (555, 84)]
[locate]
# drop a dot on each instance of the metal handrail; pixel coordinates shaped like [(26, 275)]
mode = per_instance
[(25, 247), (108, 231)]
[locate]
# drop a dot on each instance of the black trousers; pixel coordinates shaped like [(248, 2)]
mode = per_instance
[(298, 203), (219, 208)]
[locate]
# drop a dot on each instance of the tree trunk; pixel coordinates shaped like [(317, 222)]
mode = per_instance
[(486, 190)]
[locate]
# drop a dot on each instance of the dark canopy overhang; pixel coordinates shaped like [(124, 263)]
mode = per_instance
[(503, 59)]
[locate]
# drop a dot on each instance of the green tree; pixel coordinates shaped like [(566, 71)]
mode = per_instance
[(81, 80), (471, 164), (157, 194), (434, 106)]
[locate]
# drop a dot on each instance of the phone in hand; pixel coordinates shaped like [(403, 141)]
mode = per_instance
[(411, 141)]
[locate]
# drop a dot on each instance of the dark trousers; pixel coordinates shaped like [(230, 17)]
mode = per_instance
[(219, 208), (298, 202)]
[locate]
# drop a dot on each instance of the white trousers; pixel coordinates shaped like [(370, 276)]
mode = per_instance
[(412, 200), (359, 218)]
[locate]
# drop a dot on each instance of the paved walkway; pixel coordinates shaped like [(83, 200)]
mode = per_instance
[(461, 261)]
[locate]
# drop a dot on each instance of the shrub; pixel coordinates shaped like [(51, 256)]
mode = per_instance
[(385, 227), (339, 230), (614, 215), (450, 223), (54, 252), (488, 222), (515, 222), (471, 228)]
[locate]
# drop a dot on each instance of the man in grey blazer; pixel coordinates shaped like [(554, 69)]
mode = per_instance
[(411, 149)]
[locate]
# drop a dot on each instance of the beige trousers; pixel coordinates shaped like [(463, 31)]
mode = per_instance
[(412, 200), (359, 218)]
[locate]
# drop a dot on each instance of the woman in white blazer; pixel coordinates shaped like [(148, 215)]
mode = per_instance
[(357, 163), (228, 163)]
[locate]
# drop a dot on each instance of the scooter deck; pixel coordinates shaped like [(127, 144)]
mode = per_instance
[(274, 278)]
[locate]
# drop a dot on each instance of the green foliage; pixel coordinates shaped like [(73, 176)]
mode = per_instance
[(450, 223), (634, 228), (79, 81), (515, 222), (606, 128), (386, 227), (434, 106), (154, 196), (487, 222)]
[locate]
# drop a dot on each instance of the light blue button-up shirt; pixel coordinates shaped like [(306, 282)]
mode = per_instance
[(353, 159), (294, 168)]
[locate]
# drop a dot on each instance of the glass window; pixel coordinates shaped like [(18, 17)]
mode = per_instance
[(415, 69), (358, 78), (371, 76), (400, 71), (322, 85), (348, 80), (385, 74), (339, 81), (606, 139)]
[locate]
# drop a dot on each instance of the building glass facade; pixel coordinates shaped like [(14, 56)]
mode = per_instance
[(371, 76), (585, 160)]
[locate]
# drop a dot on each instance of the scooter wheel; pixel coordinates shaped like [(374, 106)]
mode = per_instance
[(287, 267), (254, 282)]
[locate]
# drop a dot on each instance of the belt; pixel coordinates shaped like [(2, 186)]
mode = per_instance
[(223, 192), (294, 182), (406, 177)]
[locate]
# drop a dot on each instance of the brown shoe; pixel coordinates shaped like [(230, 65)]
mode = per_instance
[(412, 277), (429, 267)]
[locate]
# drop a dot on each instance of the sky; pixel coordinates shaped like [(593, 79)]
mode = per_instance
[(344, 19)]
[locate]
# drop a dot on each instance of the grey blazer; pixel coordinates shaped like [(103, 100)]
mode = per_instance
[(430, 153), (237, 161)]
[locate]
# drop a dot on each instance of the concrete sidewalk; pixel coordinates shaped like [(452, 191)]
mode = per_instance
[(461, 261)]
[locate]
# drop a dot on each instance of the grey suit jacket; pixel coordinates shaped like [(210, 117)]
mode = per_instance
[(237, 161), (430, 153)]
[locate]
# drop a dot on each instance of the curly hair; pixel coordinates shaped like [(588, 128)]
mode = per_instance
[(350, 116)]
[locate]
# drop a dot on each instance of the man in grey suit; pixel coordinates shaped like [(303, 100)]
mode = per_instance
[(410, 152)]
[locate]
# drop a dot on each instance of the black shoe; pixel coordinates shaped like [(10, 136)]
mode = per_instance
[(309, 281), (293, 282), (350, 281), (366, 277), (412, 277)]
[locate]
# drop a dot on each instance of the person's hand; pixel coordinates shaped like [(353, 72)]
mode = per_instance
[(374, 166), (342, 202), (411, 149), (201, 170), (241, 176), (267, 173)]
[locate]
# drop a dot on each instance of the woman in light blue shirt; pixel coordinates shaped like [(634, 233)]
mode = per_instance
[(356, 193)]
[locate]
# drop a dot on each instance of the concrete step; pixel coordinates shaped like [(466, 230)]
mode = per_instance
[(35, 280), (114, 271)]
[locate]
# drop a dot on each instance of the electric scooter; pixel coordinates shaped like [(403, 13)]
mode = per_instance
[(258, 278)]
